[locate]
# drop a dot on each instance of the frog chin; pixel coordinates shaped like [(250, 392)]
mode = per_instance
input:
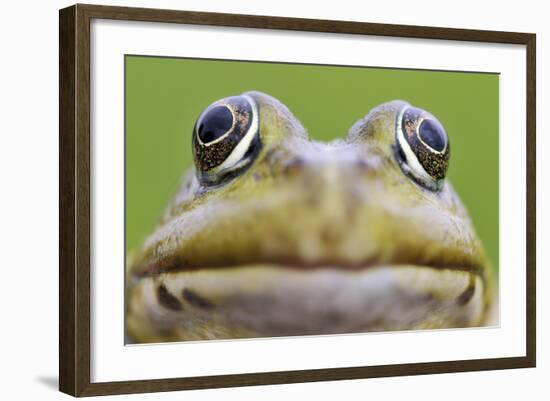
[(269, 301)]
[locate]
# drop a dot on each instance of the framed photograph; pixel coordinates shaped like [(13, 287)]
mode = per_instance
[(251, 200)]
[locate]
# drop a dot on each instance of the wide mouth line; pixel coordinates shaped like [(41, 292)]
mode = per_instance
[(154, 269)]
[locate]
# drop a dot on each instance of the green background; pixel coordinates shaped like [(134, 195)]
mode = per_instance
[(164, 96)]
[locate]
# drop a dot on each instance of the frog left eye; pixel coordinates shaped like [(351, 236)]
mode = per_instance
[(422, 146), (226, 138)]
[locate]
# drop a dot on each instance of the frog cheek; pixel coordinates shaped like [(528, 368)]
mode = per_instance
[(422, 147), (226, 138)]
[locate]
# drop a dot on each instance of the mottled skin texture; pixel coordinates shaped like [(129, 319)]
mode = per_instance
[(313, 238)]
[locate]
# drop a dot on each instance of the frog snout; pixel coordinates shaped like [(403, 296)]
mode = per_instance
[(333, 180)]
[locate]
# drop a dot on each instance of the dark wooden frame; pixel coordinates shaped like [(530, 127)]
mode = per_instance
[(74, 199)]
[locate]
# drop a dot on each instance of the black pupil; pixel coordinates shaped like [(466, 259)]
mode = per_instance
[(432, 134), (215, 123)]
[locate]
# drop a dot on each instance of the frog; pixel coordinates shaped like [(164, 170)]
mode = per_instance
[(275, 234)]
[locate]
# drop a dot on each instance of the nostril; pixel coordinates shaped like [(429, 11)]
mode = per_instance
[(361, 164), (293, 166)]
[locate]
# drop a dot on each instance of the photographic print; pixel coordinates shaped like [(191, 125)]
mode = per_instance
[(267, 199)]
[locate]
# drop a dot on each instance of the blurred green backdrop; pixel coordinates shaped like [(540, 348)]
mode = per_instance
[(164, 96)]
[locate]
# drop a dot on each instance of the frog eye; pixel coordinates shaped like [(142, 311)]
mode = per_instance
[(226, 139), (422, 147)]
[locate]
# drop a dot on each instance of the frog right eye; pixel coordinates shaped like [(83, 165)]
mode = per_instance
[(422, 145), (226, 139)]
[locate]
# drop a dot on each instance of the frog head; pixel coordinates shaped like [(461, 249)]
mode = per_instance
[(275, 234)]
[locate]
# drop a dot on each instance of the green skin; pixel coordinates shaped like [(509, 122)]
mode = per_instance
[(312, 238)]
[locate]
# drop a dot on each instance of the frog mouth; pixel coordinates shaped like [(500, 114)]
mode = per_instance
[(270, 301), (182, 303), (451, 281), (175, 266), (463, 278)]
